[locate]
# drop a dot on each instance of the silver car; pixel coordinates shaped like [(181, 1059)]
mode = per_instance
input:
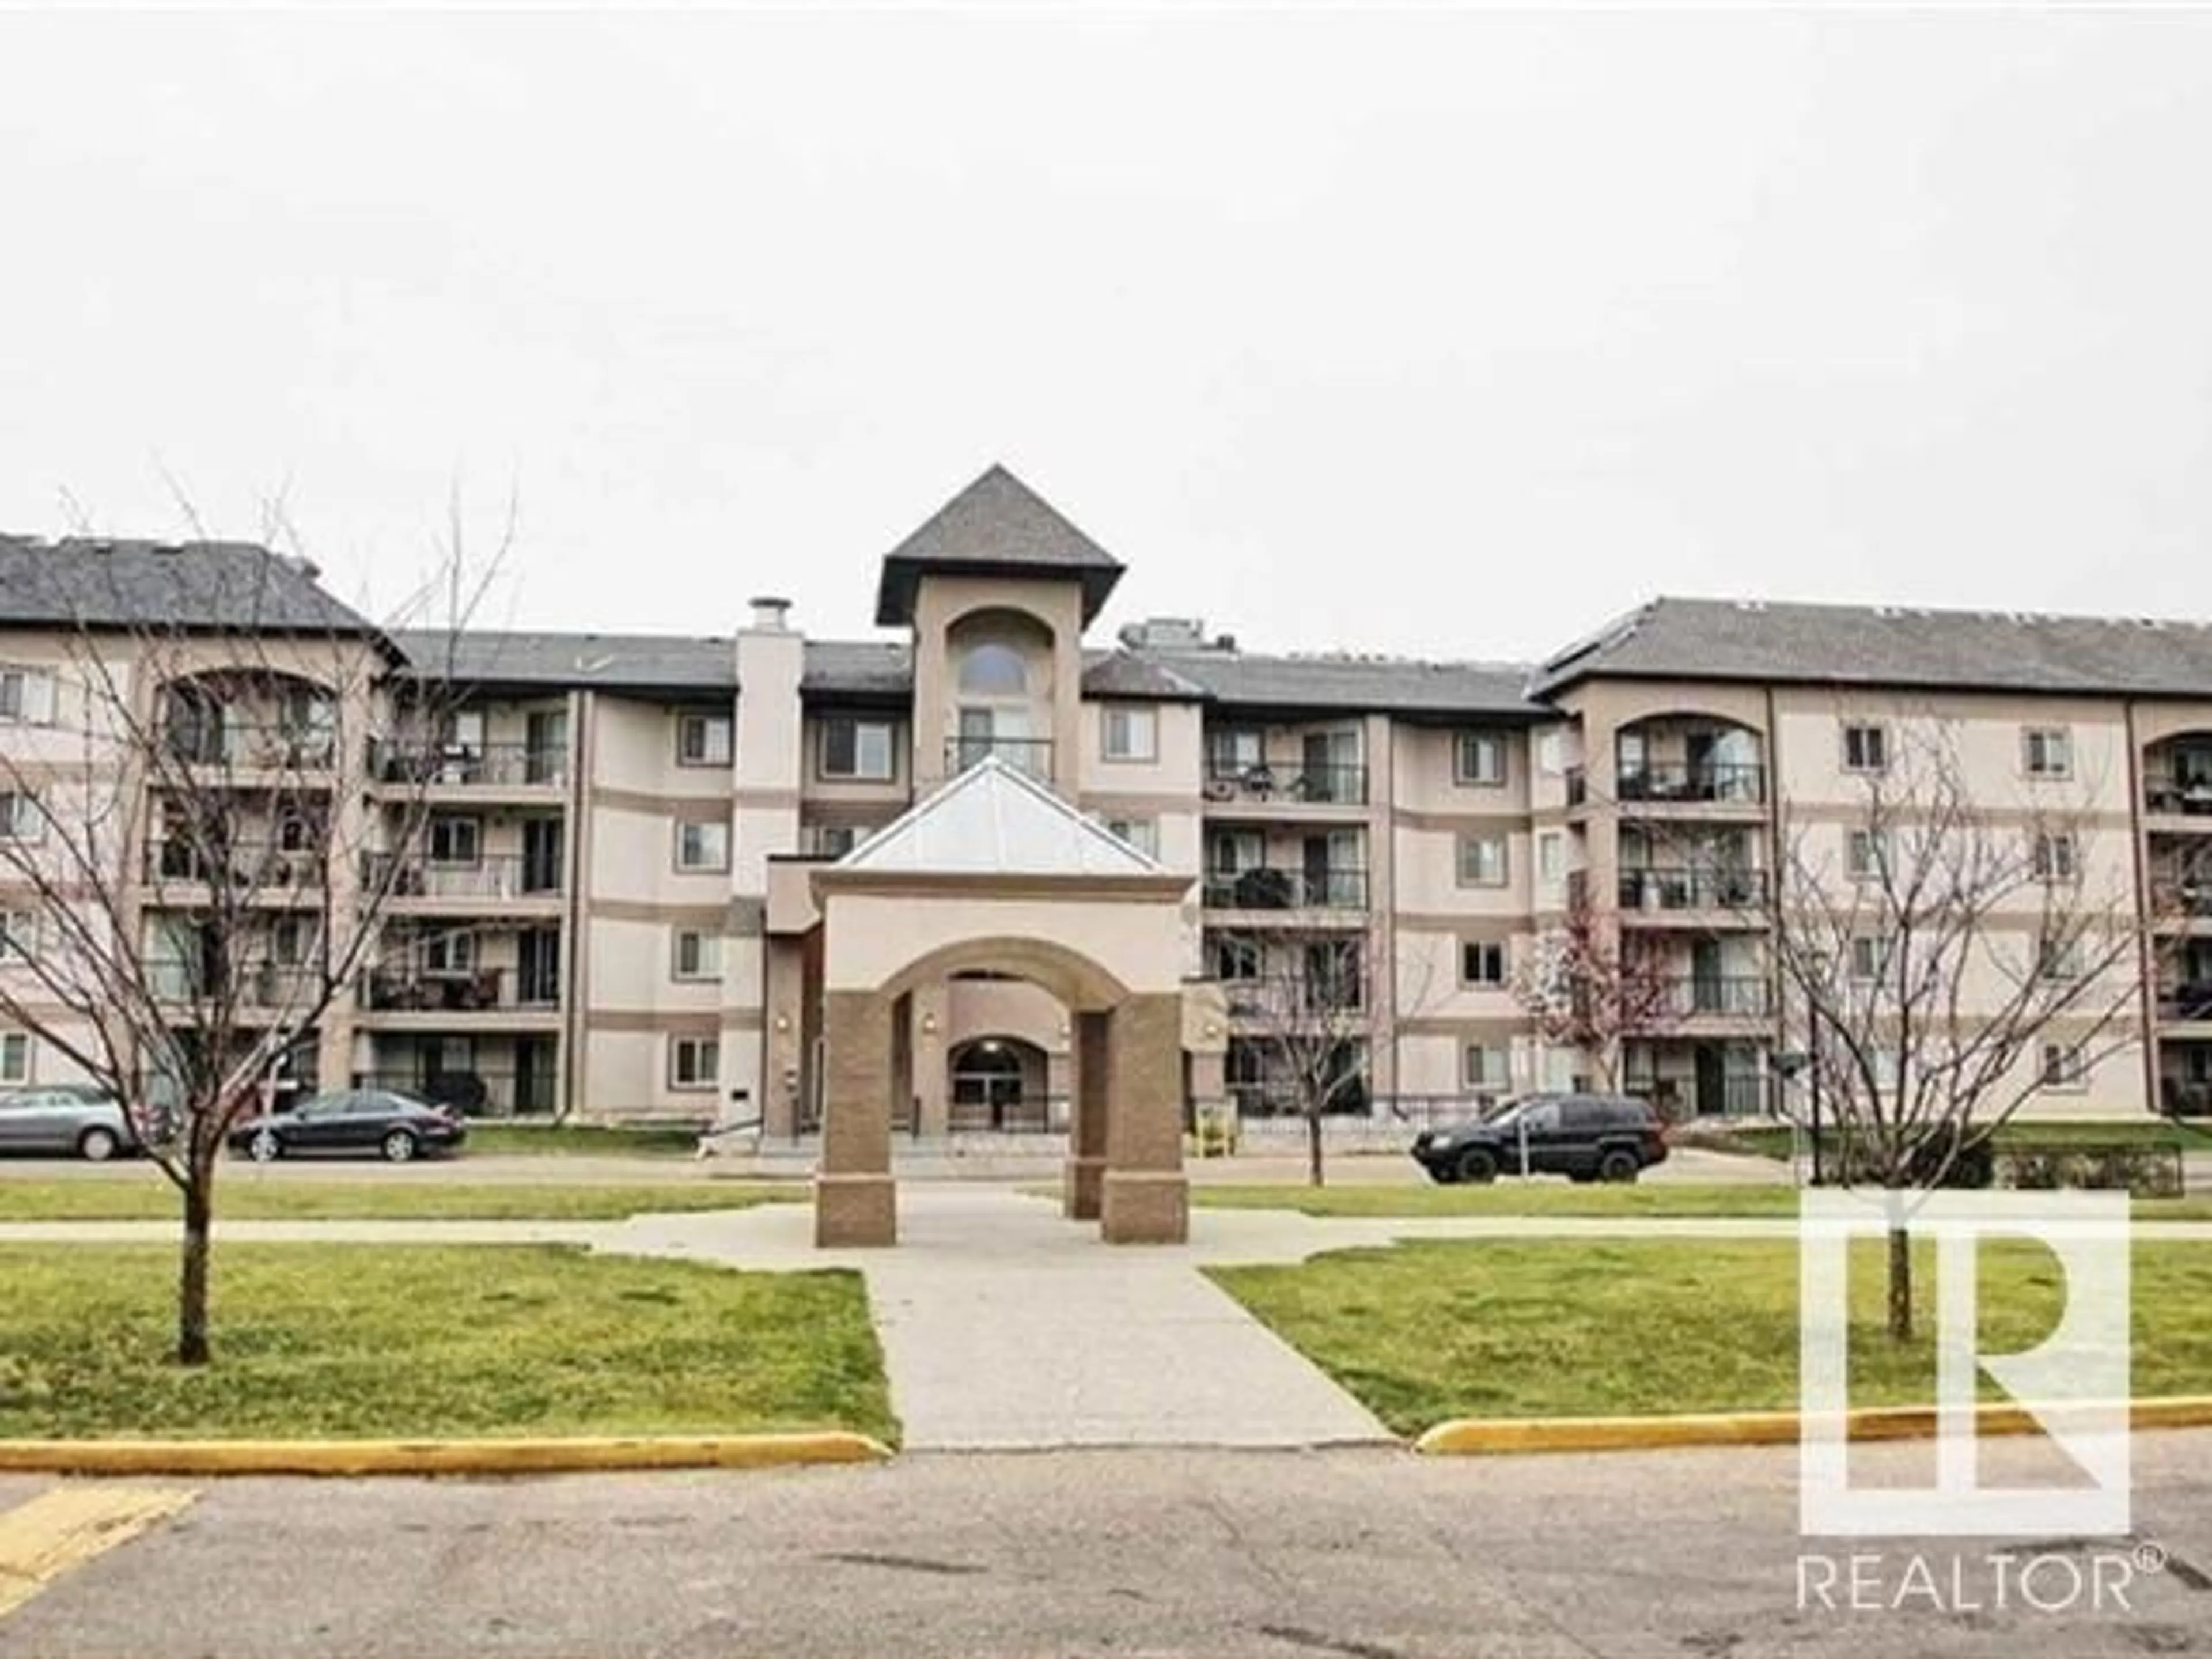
[(69, 1118)]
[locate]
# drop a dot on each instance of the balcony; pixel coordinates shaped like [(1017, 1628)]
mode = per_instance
[(1733, 1095), (1725, 996), (249, 987), (413, 763), (1264, 785), (255, 746), (495, 878), (252, 870), (2184, 1001), (1030, 756), (485, 1090), (1716, 783), (1669, 889), (488, 990), (1291, 997), (1267, 888)]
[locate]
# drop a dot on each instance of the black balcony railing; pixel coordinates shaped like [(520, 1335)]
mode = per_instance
[(480, 1092), (251, 745), (1673, 1097), (1031, 757), (2186, 1096), (2185, 998), (1666, 889), (1007, 1113), (1578, 787), (1320, 785), (2175, 894), (418, 761), (251, 985), (1267, 888), (1714, 781), (250, 867), (484, 990), (1742, 996), (1291, 996), (2180, 794), (494, 876)]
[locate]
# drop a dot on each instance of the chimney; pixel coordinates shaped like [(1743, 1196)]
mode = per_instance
[(769, 614)]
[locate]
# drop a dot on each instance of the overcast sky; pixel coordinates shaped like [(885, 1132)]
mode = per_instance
[(1450, 333)]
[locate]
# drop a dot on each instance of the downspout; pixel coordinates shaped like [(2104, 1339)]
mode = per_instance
[(2146, 954), (582, 712), (1774, 804)]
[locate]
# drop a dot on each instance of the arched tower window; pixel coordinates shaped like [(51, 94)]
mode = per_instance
[(994, 669)]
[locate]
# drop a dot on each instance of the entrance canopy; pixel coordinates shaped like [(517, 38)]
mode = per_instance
[(995, 873)]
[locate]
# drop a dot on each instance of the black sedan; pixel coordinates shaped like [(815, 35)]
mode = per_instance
[(393, 1126)]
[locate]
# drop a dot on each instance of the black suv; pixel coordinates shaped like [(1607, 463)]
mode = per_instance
[(1582, 1137)]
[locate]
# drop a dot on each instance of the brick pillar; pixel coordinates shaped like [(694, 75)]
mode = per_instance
[(855, 1199), (1086, 1128), (1146, 1199)]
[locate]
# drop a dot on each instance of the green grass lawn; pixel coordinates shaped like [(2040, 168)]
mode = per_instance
[(422, 1341), (1776, 1140), (147, 1195), (1541, 1197), (1424, 1332), (580, 1139)]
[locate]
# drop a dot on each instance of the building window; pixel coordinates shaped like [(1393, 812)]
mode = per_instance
[(456, 841), (832, 841), (1551, 857), (1482, 1067), (1550, 753), (2047, 752), (453, 952), (2056, 856), (1482, 961), (702, 739), (1131, 733), (1870, 956), (1478, 757), (703, 847), (19, 934), (1866, 854), (1232, 752), (694, 1062), (15, 1056), (27, 696), (20, 817), (859, 752), (2058, 960), (1143, 834), (2064, 1065), (1482, 862), (1866, 748), (1236, 959), (698, 954), (992, 669)]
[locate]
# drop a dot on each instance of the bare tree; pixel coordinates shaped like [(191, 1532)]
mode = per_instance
[(1585, 986), (185, 823), (1941, 962)]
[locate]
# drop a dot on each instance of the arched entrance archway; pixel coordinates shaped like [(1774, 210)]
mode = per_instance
[(998, 1081)]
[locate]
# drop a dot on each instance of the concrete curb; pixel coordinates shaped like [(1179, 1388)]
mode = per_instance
[(468, 1457), (1498, 1436)]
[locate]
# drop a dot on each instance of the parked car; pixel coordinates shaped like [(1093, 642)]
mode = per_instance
[(395, 1126), (68, 1119), (1582, 1137)]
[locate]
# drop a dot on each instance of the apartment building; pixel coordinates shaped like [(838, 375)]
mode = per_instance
[(614, 905)]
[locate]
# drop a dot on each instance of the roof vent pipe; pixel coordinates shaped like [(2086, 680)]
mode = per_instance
[(769, 614)]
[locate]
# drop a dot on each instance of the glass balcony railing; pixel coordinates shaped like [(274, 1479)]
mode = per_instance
[(494, 876), (421, 761), (1031, 757), (1712, 783), (1744, 996), (1267, 888), (480, 991), (1659, 888), (1320, 785)]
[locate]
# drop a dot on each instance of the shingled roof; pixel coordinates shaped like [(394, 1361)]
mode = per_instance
[(1346, 684), (638, 662), (997, 526), (1891, 645), (196, 587)]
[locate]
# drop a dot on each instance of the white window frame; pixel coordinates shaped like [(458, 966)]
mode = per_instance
[(1474, 745), (695, 1076), (451, 823), (20, 819), (1551, 857), (1869, 734), (2063, 1068), (1137, 727), (2058, 962), (451, 952), (1485, 945), (1143, 834), (715, 864), (821, 839), (1245, 950), (1468, 848), (706, 955), (1475, 1070), (31, 701), (1877, 950), (19, 934), (716, 736), (860, 771), (2046, 751), (2055, 855), (16, 1050), (1878, 844)]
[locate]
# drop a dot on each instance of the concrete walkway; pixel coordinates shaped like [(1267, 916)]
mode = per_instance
[(1004, 1326)]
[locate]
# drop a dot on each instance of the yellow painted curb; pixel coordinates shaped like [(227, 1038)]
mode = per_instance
[(1497, 1436), (341, 1457)]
